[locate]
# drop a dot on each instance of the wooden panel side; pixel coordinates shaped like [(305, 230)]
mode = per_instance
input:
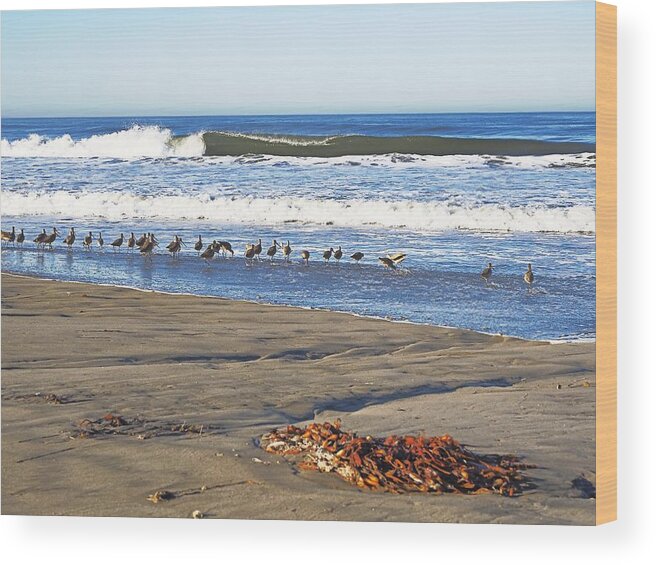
[(606, 231)]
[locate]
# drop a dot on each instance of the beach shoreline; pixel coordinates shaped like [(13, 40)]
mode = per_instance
[(240, 368)]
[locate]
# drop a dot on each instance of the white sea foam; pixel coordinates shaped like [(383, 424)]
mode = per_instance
[(136, 142), (419, 216)]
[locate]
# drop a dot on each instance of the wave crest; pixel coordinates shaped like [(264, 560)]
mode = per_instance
[(135, 142), (418, 216)]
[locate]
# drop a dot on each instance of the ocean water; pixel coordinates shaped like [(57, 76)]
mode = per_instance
[(453, 191)]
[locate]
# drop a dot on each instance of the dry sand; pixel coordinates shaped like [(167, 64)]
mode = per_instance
[(241, 369)]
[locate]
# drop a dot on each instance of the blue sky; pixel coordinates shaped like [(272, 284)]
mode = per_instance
[(295, 60)]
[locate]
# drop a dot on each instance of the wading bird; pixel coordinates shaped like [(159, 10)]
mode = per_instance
[(272, 250), (529, 277), (487, 272), (338, 254), (9, 236), (39, 238), (209, 252), (20, 238), (101, 241), (116, 244), (132, 241), (258, 248), (198, 246), (70, 238), (49, 239), (357, 256), (305, 255), (286, 250), (327, 255), (88, 240)]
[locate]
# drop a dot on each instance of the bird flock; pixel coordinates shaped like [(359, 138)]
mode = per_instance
[(146, 244)]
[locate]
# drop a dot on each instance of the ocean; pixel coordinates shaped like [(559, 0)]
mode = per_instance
[(453, 191)]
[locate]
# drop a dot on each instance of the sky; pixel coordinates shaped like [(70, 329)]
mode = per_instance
[(467, 57)]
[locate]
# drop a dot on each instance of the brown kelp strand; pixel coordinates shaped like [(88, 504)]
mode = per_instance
[(398, 463), (140, 428)]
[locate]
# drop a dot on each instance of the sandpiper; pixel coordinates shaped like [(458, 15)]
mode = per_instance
[(388, 262), (20, 238), (250, 251), (70, 238), (258, 248), (198, 246), (286, 251), (528, 276), (116, 244), (487, 272), (141, 240), (272, 250), (357, 256), (49, 239), (88, 239), (209, 252), (101, 241), (305, 255), (338, 254), (226, 248), (9, 236), (132, 241), (327, 255), (39, 238)]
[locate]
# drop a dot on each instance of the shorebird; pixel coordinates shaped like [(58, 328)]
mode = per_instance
[(258, 248), (88, 239), (286, 250), (101, 241), (70, 238), (49, 239), (175, 246), (305, 255), (338, 254), (487, 272), (397, 257), (272, 250), (131, 241), (9, 236), (39, 238), (226, 248), (199, 244), (529, 277), (116, 244), (388, 262), (327, 255), (148, 246), (209, 252), (141, 240), (20, 238), (357, 256), (250, 251)]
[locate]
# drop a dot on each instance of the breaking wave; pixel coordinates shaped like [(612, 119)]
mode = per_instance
[(156, 142), (414, 215)]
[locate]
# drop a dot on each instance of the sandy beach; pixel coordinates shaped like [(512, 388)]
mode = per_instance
[(240, 369)]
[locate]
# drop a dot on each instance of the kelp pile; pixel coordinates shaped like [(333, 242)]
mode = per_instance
[(398, 463)]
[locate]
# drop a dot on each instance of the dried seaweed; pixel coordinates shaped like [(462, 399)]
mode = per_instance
[(398, 463), (140, 428)]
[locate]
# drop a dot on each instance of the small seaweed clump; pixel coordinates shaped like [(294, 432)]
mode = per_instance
[(398, 463)]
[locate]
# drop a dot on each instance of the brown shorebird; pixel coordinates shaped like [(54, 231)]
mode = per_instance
[(209, 252), (116, 244), (141, 240), (49, 239), (88, 239), (148, 246), (357, 256), (487, 272), (327, 255), (272, 250), (529, 277), (132, 241), (175, 246), (70, 238), (397, 257), (305, 255), (198, 246), (338, 254), (9, 236), (258, 248), (226, 248), (101, 241), (388, 262), (20, 238), (250, 251), (286, 250), (39, 238)]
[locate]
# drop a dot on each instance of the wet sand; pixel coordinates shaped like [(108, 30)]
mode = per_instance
[(240, 369)]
